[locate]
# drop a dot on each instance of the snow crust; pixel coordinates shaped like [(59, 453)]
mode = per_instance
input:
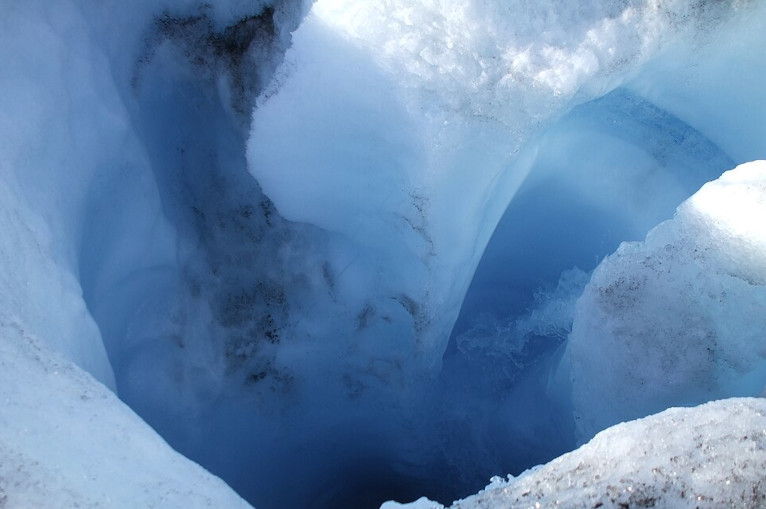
[(708, 456)]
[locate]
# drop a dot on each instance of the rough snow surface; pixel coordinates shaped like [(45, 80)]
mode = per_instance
[(677, 319), (709, 456)]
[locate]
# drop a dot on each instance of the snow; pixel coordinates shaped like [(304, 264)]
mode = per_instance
[(677, 319), (713, 455)]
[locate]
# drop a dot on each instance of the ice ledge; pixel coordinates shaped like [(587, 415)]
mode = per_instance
[(713, 455)]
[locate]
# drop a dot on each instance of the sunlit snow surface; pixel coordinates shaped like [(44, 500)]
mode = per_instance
[(342, 243)]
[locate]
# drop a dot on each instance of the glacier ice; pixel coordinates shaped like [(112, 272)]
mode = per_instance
[(372, 277)]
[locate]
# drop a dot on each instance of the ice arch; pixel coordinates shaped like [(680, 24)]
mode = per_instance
[(459, 107), (591, 187)]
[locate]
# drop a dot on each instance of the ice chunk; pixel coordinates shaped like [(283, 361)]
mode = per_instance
[(421, 503), (67, 441), (713, 455), (677, 319), (400, 126)]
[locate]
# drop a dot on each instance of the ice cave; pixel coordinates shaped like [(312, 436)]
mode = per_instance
[(296, 254)]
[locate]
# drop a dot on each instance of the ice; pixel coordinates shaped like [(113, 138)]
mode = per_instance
[(708, 456), (677, 319), (608, 171), (43, 189), (421, 503), (93, 260), (457, 91), (67, 441), (336, 240)]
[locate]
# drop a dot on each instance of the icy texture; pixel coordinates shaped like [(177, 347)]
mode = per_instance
[(82, 213), (677, 319), (303, 339), (67, 441), (421, 503), (710, 456)]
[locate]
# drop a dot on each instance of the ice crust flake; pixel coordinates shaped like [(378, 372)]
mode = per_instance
[(709, 456)]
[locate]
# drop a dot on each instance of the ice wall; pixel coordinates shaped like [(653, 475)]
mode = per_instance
[(608, 171), (62, 123), (96, 256), (80, 195)]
